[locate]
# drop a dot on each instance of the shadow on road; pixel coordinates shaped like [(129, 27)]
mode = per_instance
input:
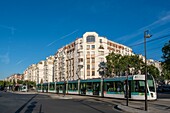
[(31, 107), (22, 107)]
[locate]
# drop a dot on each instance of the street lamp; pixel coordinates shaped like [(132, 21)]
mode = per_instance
[(102, 69), (146, 35)]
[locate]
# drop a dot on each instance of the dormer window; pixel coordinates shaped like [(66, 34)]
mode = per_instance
[(90, 38)]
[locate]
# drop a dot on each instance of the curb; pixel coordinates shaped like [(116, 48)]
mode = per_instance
[(129, 109)]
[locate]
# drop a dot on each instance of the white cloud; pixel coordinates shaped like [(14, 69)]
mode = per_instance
[(19, 62), (62, 37), (156, 24)]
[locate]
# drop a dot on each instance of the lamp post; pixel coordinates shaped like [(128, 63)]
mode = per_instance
[(102, 69), (146, 35)]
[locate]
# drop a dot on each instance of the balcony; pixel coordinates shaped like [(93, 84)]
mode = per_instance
[(80, 63), (101, 48)]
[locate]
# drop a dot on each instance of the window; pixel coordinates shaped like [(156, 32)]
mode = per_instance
[(93, 73), (80, 59), (88, 66), (138, 86), (81, 46), (88, 73), (93, 46), (88, 47), (93, 60), (93, 67), (80, 54), (100, 40), (88, 60), (88, 52), (81, 41), (90, 39)]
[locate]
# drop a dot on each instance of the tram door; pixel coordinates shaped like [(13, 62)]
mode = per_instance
[(96, 88), (83, 88)]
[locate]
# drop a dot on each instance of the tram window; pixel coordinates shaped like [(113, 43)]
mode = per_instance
[(89, 86), (119, 86), (139, 86), (151, 85), (74, 86), (110, 87), (96, 86), (69, 86), (83, 86), (51, 86)]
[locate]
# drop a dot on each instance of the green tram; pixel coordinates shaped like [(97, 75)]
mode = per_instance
[(107, 87)]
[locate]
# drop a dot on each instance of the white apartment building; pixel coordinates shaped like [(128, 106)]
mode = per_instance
[(80, 59), (40, 72), (60, 65), (30, 73), (48, 69), (25, 75), (14, 78)]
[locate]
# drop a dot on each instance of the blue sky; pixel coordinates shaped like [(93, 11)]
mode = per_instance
[(31, 30)]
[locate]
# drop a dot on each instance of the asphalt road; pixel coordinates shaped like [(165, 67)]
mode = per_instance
[(39, 103)]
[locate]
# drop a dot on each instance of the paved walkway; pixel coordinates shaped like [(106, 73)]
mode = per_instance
[(159, 106)]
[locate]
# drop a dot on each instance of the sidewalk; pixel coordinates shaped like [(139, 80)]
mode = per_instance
[(140, 108)]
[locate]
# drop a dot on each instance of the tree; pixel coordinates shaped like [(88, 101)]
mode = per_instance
[(136, 63), (113, 65), (19, 81), (118, 64), (166, 62), (152, 70)]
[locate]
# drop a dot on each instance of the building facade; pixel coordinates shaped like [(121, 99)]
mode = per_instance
[(14, 78), (48, 69), (80, 59)]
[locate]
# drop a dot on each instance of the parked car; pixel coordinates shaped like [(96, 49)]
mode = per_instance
[(24, 88), (163, 88)]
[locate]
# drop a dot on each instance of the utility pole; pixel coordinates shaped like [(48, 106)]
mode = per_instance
[(127, 89), (102, 69), (146, 35)]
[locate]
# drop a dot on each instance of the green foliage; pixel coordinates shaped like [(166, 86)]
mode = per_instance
[(29, 83), (153, 71), (1, 83), (113, 64), (166, 62), (117, 65), (20, 81)]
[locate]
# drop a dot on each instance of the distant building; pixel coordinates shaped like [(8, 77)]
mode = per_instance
[(14, 78), (41, 72), (157, 64), (48, 69)]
